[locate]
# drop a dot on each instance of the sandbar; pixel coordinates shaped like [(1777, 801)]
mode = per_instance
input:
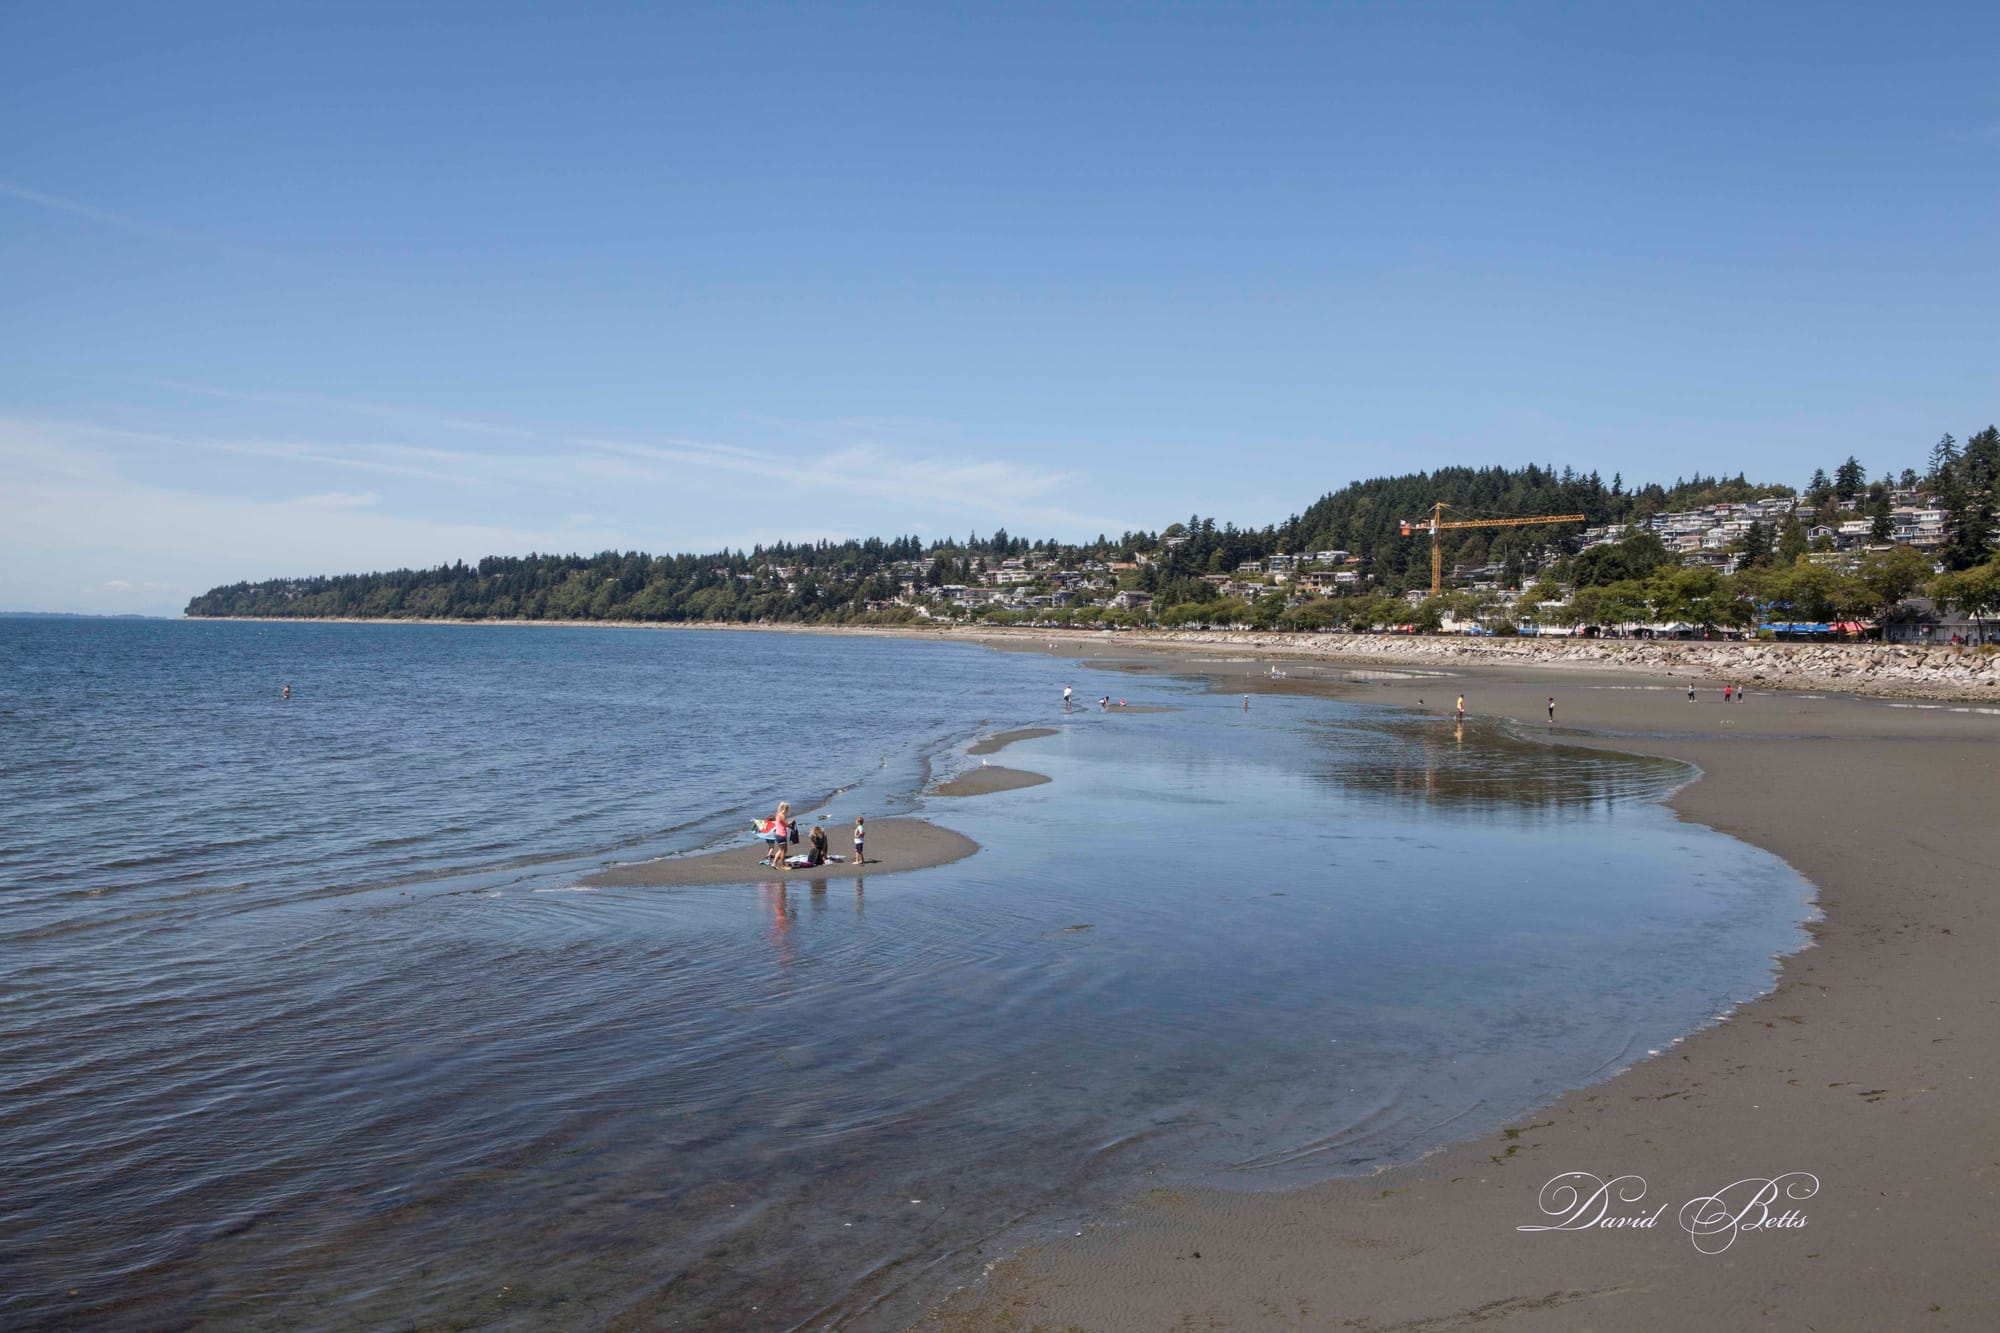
[(893, 845), (1001, 740), (985, 781)]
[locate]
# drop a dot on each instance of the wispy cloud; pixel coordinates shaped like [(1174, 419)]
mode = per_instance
[(445, 485), (858, 462), (87, 211), (338, 500), (990, 488), (386, 411), (362, 457)]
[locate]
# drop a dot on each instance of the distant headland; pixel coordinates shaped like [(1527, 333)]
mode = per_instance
[(1904, 555)]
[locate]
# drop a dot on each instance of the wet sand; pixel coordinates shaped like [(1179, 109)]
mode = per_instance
[(893, 845), (985, 781), (996, 743), (1874, 1064)]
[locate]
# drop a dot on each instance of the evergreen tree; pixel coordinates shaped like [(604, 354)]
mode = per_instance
[(1791, 541), (1819, 488), (1756, 545), (1944, 454), (1883, 527), (1969, 501), (1847, 478)]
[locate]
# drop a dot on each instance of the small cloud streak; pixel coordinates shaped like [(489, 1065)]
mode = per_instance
[(119, 587), (75, 209), (386, 411), (338, 500)]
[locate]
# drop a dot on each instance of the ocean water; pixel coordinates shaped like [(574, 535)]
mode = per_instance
[(305, 1020)]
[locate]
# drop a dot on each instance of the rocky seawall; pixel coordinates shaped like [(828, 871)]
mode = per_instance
[(1880, 669)]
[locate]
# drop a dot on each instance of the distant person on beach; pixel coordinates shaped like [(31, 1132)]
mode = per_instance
[(780, 833), (860, 837), (1461, 708), (1105, 702), (1246, 703), (1552, 708), (1726, 691), (1066, 695), (816, 847), (285, 693), (1690, 691)]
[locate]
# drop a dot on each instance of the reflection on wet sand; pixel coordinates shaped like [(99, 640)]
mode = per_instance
[(817, 892), (1418, 758), (782, 911)]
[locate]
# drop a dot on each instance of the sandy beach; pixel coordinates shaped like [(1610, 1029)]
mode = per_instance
[(1874, 1065)]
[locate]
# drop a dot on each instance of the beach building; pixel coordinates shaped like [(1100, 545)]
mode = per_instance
[(1919, 620)]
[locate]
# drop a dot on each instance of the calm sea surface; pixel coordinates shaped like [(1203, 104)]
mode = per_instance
[(304, 1021)]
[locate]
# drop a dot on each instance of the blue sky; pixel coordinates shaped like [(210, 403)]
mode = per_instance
[(314, 289)]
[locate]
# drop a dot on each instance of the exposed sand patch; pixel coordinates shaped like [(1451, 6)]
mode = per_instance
[(1001, 740), (986, 781), (893, 845)]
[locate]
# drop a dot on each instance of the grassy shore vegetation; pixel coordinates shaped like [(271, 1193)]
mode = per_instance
[(1342, 563)]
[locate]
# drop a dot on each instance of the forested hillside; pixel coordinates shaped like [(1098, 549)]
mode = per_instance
[(1351, 540)]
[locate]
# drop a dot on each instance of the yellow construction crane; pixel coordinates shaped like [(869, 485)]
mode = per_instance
[(1437, 524)]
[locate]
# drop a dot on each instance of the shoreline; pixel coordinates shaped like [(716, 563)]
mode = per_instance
[(1896, 671), (1871, 1062)]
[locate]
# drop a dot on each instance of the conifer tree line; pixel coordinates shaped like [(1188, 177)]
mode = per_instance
[(858, 580)]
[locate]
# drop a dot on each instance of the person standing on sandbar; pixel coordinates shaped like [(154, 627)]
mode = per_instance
[(1461, 708), (781, 834)]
